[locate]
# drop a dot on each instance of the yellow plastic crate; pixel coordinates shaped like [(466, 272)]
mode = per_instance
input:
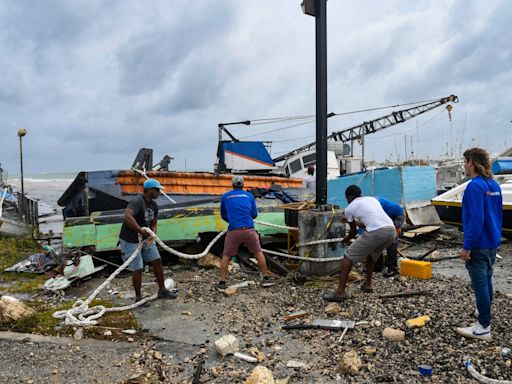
[(415, 268)]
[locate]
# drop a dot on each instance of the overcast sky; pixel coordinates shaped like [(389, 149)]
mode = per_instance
[(93, 81)]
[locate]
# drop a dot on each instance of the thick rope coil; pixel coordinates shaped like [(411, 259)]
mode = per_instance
[(81, 315)]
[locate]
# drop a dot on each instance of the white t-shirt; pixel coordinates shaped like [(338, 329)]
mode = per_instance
[(368, 211)]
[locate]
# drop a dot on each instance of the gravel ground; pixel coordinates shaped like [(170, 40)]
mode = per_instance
[(185, 329)]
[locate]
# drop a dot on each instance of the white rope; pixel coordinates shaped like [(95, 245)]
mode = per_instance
[(184, 255), (481, 378), (311, 259), (81, 315), (276, 225), (324, 241), (143, 173)]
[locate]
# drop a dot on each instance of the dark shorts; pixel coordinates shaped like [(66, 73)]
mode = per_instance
[(237, 237)]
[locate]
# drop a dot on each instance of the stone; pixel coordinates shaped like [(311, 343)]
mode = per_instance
[(260, 375), (393, 334), (186, 313), (295, 364), (226, 345), (11, 309), (157, 355), (79, 334), (350, 362), (355, 276), (231, 291), (260, 356), (370, 351), (211, 261), (108, 332), (417, 322), (332, 309)]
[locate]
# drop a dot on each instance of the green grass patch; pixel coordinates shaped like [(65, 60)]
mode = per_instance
[(13, 249), (43, 322)]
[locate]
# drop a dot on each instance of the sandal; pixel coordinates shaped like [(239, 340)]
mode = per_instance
[(167, 294), (334, 298), (365, 289)]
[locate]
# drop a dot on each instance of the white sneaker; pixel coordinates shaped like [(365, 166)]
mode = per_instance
[(476, 332)]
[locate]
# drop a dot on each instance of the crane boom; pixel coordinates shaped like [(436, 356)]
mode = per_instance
[(372, 126)]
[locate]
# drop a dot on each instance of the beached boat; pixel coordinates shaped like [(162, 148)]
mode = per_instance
[(410, 186), (94, 204), (449, 204)]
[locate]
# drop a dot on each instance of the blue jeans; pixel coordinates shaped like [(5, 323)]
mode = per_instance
[(480, 272)]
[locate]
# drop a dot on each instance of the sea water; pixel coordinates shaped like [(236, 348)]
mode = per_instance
[(47, 188)]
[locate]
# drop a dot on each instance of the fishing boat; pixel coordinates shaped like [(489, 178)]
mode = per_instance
[(94, 203), (449, 204)]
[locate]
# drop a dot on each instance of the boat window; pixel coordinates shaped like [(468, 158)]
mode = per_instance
[(287, 171), (295, 166), (309, 159)]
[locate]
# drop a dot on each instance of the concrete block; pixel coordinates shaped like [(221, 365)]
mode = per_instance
[(226, 345)]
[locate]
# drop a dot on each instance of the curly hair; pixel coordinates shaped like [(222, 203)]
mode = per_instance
[(480, 160)]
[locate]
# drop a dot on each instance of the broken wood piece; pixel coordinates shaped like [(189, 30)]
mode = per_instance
[(295, 315), (197, 374), (405, 293), (411, 234)]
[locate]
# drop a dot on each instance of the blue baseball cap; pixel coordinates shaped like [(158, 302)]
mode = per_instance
[(152, 183)]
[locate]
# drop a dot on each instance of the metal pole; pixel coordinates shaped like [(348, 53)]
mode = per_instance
[(21, 166), (321, 101)]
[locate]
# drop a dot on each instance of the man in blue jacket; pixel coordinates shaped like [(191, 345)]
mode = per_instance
[(396, 213), (482, 211), (238, 208)]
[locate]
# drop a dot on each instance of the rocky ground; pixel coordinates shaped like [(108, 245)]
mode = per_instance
[(177, 336)]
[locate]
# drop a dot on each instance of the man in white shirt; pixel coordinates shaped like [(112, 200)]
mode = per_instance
[(368, 213)]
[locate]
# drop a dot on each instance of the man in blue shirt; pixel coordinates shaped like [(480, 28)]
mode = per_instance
[(238, 208), (482, 214), (396, 213)]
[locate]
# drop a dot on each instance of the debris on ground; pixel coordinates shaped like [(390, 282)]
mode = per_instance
[(12, 309)]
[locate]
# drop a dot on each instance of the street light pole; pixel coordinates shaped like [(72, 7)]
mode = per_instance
[(21, 132), (319, 11)]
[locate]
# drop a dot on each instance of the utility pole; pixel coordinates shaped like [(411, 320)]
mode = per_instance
[(405, 141), (318, 9)]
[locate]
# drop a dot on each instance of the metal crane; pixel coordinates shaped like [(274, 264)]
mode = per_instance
[(359, 131)]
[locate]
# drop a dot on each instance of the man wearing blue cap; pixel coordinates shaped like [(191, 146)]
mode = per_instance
[(142, 212)]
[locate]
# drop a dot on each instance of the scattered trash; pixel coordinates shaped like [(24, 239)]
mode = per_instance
[(107, 333), (481, 378), (243, 284), (416, 268), (186, 313), (335, 325), (226, 345), (169, 283), (260, 375), (393, 334), (505, 351), (295, 364), (295, 315), (425, 370), (421, 231), (129, 331), (417, 322), (245, 357), (370, 351), (405, 293), (350, 362)]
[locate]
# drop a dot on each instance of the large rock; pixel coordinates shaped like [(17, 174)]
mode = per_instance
[(11, 309), (350, 362), (260, 375), (209, 261)]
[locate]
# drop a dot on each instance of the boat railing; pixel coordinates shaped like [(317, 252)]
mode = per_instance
[(28, 209)]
